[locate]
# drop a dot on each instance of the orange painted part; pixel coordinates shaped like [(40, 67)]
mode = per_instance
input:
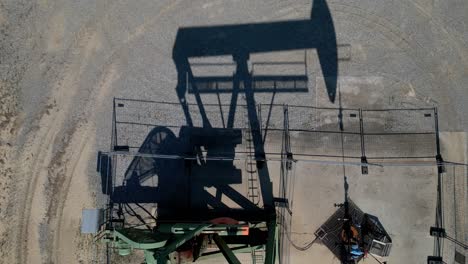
[(244, 230), (355, 234)]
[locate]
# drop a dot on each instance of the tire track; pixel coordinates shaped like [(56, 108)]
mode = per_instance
[(48, 134), (105, 89), (39, 144), (81, 135)]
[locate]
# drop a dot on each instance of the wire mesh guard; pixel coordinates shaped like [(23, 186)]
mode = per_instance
[(453, 202), (375, 134), (392, 133), (160, 144), (163, 141), (161, 136)]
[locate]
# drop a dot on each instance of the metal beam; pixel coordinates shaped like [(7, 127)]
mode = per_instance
[(125, 234), (227, 252), (236, 197), (271, 242), (239, 249), (149, 257), (180, 240)]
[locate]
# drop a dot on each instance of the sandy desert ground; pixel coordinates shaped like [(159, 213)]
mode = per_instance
[(62, 62)]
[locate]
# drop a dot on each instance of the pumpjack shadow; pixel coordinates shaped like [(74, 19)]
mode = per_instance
[(186, 164), (173, 173)]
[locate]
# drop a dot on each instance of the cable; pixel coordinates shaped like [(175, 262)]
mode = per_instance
[(324, 162), (138, 216), (139, 225), (146, 211), (300, 248), (455, 241), (126, 210)]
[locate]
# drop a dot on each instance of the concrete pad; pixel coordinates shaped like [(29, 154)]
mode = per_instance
[(389, 194), (454, 189)]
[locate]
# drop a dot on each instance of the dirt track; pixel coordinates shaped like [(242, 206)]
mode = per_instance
[(63, 61)]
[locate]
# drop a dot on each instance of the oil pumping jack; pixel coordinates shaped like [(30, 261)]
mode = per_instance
[(185, 229)]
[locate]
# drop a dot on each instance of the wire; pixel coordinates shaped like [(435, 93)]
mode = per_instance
[(146, 211), (325, 162), (305, 247), (139, 225), (457, 242), (126, 210), (138, 216)]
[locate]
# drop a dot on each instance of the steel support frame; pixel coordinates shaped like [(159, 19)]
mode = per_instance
[(236, 249), (225, 250), (157, 252), (161, 254)]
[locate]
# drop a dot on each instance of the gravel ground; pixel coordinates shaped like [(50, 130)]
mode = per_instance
[(62, 61)]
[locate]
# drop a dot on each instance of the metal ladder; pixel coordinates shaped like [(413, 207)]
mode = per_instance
[(258, 256), (251, 165)]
